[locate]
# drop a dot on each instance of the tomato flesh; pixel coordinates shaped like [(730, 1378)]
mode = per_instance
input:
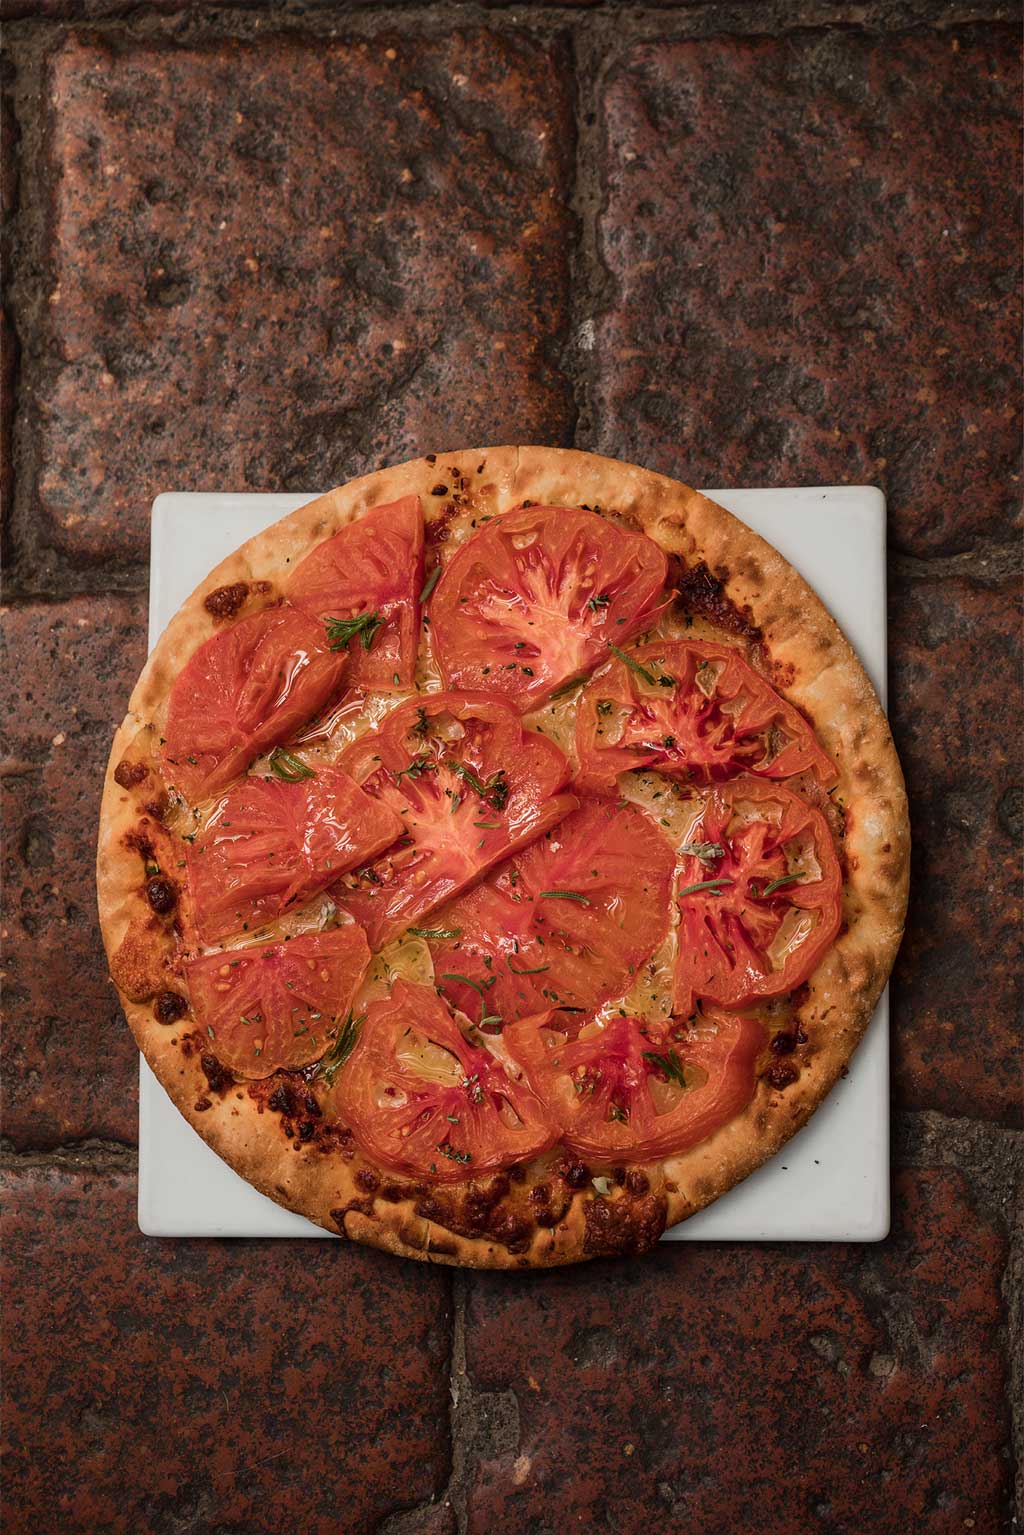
[(534, 598), (700, 713), (246, 689), (277, 1005), (420, 1098), (268, 845), (470, 785), (373, 566), (526, 950), (766, 907), (615, 1091)]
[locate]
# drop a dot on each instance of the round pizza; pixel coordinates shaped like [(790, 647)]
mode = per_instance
[(501, 857)]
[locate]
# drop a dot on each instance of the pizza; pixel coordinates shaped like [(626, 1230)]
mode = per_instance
[(501, 857)]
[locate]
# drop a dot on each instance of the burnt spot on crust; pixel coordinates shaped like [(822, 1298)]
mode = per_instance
[(437, 530), (169, 1007), (702, 591), (139, 841), (575, 1174), (162, 894), (624, 1226), (781, 1074), (502, 1210), (289, 1094), (128, 775), (226, 600), (217, 1075)]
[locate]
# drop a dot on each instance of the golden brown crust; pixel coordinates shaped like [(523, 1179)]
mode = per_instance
[(820, 674)]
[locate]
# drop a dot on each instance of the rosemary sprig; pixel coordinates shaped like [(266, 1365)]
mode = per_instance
[(567, 687), (704, 884), (785, 879), (291, 768), (345, 1042), (465, 981), (566, 895), (663, 681), (495, 791), (341, 630), (430, 583), (669, 1063), (435, 932)]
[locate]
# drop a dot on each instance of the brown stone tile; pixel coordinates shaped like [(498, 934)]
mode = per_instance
[(69, 1062), (160, 1387), (94, 10), (279, 263), (956, 708), (815, 260), (8, 370), (744, 1387)]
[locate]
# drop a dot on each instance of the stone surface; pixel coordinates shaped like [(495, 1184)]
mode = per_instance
[(787, 1389), (69, 1063), (211, 1386), (9, 179), (275, 276), (814, 262), (955, 704)]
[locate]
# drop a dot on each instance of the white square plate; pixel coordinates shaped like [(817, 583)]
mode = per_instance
[(831, 1182)]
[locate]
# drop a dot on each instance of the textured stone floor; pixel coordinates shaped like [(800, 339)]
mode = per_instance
[(270, 246)]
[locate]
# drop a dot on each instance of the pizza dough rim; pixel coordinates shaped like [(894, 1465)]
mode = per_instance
[(828, 681)]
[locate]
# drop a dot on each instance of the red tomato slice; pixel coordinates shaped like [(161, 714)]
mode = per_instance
[(699, 713), (373, 566), (534, 598), (278, 1004), (525, 950), (761, 913), (635, 1091), (268, 845), (420, 1098), (470, 785), (246, 689)]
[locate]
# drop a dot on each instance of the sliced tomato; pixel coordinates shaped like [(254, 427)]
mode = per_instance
[(567, 923), (372, 568), (634, 1090), (246, 689), (535, 597), (470, 785), (763, 904), (695, 711), (268, 845), (279, 1004), (420, 1098)]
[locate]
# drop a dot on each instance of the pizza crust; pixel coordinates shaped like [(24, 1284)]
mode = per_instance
[(822, 676)]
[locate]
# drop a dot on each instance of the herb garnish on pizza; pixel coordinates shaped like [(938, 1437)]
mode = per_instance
[(501, 857)]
